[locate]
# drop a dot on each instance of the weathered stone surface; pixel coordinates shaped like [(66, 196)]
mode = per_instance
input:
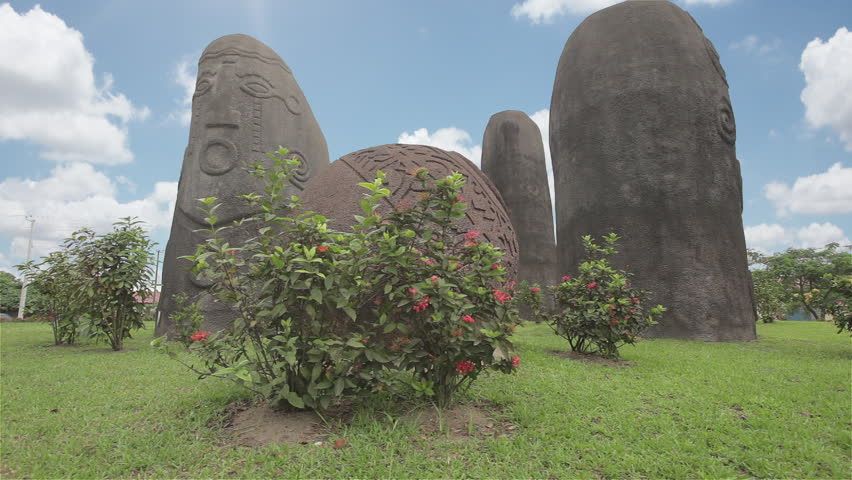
[(246, 103), (642, 139), (335, 192), (513, 158)]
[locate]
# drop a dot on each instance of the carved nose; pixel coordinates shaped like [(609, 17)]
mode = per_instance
[(224, 118)]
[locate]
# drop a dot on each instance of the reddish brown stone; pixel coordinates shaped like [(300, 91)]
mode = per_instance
[(335, 193)]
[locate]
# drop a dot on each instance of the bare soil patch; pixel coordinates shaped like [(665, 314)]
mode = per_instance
[(462, 421), (258, 425), (591, 358)]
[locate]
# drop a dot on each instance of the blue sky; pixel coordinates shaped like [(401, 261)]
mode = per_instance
[(93, 96)]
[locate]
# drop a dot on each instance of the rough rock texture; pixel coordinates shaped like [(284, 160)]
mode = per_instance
[(335, 192), (642, 139), (246, 103), (513, 158)]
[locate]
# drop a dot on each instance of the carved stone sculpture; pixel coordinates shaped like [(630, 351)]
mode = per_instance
[(335, 192), (513, 158), (642, 138), (246, 103)]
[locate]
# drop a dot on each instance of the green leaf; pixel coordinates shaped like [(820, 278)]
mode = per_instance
[(294, 399)]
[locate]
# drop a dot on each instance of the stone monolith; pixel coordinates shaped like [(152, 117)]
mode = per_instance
[(246, 103), (642, 137), (513, 158)]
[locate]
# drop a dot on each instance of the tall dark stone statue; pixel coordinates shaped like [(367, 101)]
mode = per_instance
[(642, 138), (513, 158), (335, 193), (246, 103)]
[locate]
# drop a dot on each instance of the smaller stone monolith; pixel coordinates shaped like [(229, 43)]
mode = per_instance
[(513, 158)]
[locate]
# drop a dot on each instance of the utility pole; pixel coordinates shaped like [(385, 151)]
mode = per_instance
[(157, 292), (157, 270), (22, 303)]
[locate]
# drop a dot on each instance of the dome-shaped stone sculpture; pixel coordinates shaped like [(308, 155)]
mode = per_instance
[(335, 192)]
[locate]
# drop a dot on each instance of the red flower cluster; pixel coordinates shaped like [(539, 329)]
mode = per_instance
[(468, 319), (412, 291), (429, 261), (516, 361), (470, 238), (464, 367), (566, 278), (460, 198), (322, 248), (434, 278), (535, 290), (501, 296), (495, 266), (421, 304), (592, 285), (199, 336)]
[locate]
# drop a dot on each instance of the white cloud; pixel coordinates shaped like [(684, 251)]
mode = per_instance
[(766, 238), (769, 238), (827, 95), (817, 235), (457, 140), (451, 138), (542, 119), (829, 192), (73, 196), (49, 94), (184, 76), (539, 11), (544, 11), (752, 44)]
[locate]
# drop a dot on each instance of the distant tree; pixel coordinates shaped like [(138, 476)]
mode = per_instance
[(56, 278), (809, 276), (10, 292)]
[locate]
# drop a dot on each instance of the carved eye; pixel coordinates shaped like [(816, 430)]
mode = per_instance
[(257, 87), (203, 86)]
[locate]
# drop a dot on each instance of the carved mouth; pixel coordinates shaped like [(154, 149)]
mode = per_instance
[(219, 156)]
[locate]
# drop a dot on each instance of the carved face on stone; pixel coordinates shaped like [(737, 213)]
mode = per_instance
[(246, 103)]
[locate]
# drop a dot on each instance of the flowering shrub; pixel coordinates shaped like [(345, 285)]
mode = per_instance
[(324, 315), (597, 310)]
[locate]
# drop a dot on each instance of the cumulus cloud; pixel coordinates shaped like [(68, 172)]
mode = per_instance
[(542, 119), (817, 235), (544, 11), (184, 77), (452, 139), (457, 140), (827, 96), (752, 44), (73, 196), (49, 94), (829, 192), (769, 238)]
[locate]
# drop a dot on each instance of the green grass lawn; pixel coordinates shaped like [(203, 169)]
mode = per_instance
[(778, 407)]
